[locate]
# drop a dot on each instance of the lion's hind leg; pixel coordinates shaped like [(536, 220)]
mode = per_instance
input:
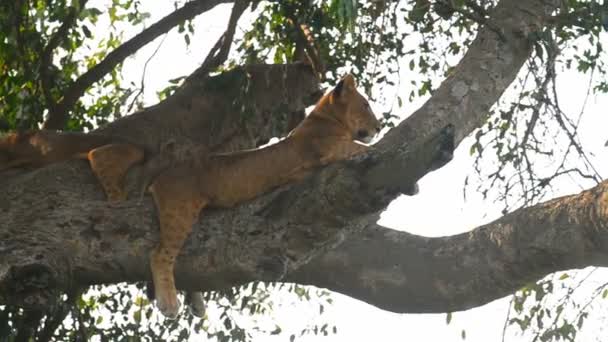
[(110, 164), (178, 208), (196, 303)]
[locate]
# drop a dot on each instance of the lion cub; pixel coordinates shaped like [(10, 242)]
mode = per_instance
[(327, 134)]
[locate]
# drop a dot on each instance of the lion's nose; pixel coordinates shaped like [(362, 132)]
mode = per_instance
[(362, 133)]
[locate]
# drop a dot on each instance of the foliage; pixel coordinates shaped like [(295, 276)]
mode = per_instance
[(517, 133), (369, 40), (548, 311), (123, 312), (35, 74)]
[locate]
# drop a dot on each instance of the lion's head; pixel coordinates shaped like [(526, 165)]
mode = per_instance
[(353, 110)]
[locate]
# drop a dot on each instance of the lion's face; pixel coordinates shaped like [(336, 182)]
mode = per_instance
[(354, 110)]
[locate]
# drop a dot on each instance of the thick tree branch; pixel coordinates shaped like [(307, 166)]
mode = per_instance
[(59, 115), (466, 96), (467, 270)]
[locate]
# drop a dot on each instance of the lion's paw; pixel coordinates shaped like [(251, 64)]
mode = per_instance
[(168, 306)]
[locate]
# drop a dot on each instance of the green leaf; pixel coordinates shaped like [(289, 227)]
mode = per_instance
[(137, 316), (112, 14), (86, 31), (277, 330)]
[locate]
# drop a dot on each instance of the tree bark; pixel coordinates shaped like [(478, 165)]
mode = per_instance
[(232, 111), (426, 275), (58, 230)]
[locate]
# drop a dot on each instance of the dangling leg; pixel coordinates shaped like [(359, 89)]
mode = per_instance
[(196, 303), (110, 164), (177, 213)]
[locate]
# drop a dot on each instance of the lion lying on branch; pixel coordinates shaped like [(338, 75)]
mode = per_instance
[(327, 134), (180, 192)]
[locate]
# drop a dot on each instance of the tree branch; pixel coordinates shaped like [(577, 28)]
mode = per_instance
[(221, 49), (460, 272), (204, 110), (306, 49), (465, 98), (47, 54), (58, 115)]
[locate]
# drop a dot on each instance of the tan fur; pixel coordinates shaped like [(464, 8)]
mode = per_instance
[(224, 180), (109, 158)]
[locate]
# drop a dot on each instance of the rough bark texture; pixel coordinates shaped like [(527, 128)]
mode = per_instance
[(57, 230), (406, 273), (235, 110)]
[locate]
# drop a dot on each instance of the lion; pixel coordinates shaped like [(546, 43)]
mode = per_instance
[(110, 158), (327, 134)]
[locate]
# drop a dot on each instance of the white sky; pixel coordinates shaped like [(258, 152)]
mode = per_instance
[(440, 192)]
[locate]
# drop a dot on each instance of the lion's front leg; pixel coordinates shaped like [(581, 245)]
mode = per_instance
[(343, 150)]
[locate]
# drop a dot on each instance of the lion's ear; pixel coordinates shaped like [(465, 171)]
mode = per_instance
[(347, 83)]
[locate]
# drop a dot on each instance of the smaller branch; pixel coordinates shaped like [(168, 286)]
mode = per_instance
[(573, 18), (310, 48), (306, 49), (142, 85), (58, 116), (477, 17), (220, 51), (506, 324), (46, 78)]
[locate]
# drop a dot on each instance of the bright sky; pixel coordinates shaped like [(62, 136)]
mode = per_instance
[(440, 192)]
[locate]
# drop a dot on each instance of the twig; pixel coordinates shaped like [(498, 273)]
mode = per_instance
[(143, 75), (504, 327)]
